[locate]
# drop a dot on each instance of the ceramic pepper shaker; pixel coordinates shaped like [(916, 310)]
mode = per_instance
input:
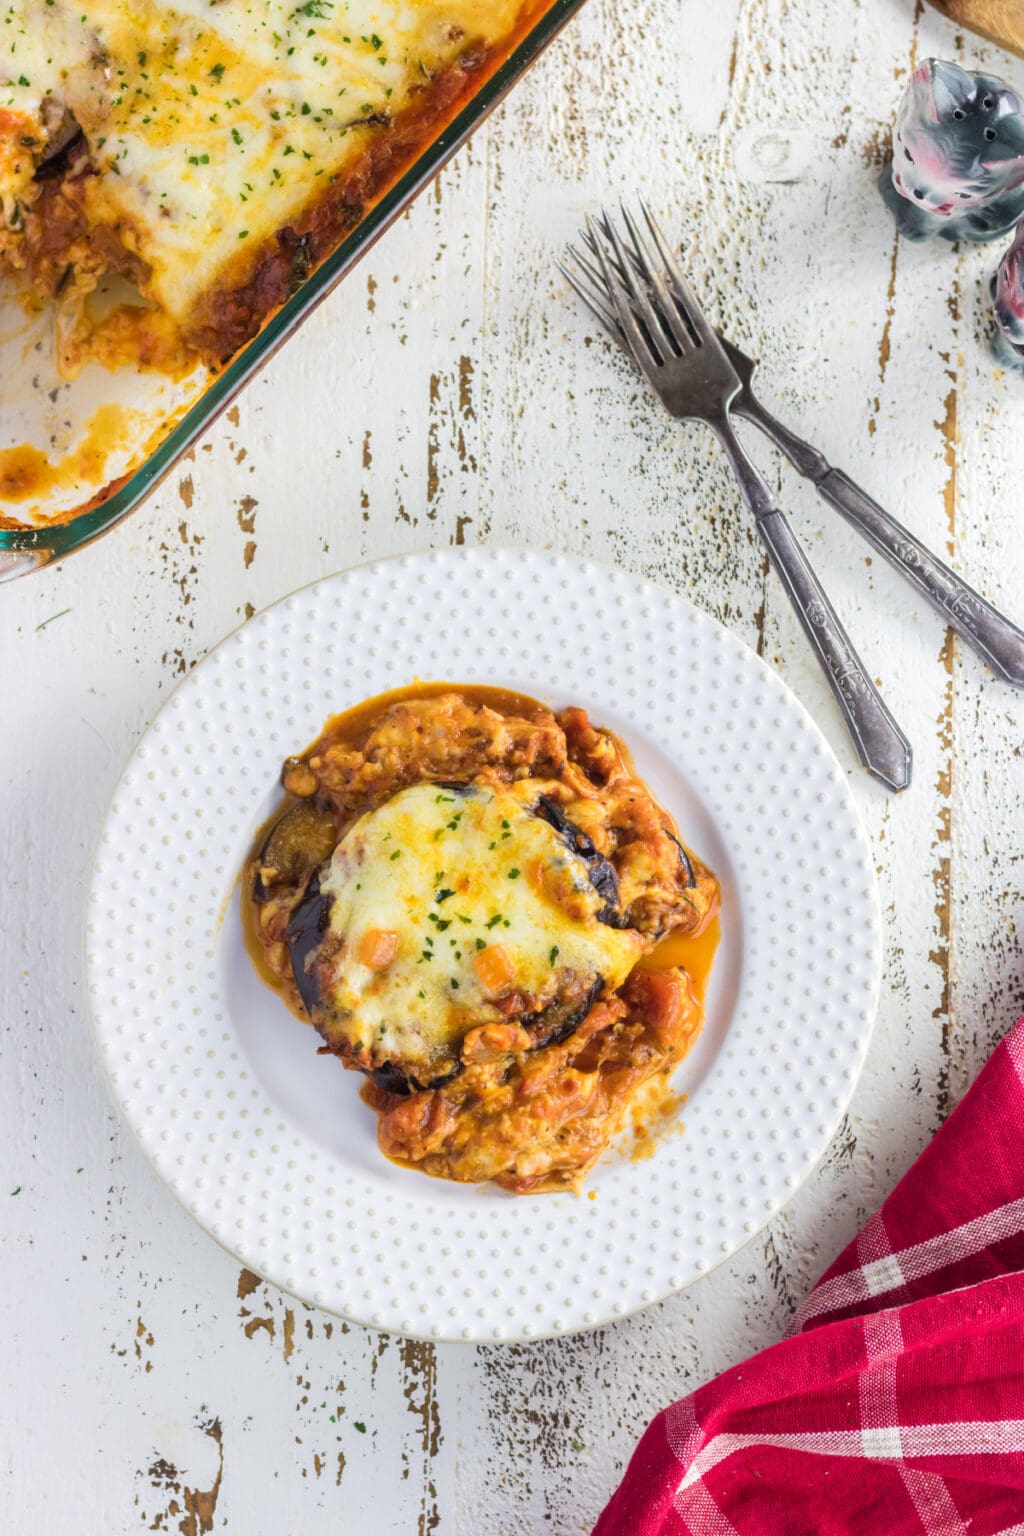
[(1008, 301), (958, 156)]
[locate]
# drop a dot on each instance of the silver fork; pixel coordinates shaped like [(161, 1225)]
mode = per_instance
[(995, 637), (653, 309)]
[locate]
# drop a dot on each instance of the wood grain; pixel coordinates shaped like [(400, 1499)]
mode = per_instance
[(451, 392), (1001, 21)]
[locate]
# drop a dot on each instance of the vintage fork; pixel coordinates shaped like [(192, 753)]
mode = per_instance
[(995, 637), (684, 361)]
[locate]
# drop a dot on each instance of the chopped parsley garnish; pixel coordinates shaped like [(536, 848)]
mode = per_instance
[(481, 943), (443, 895), (466, 920), (217, 72), (492, 922), (321, 11), (361, 1427), (236, 135), (553, 956), (396, 855), (444, 799), (453, 984), (513, 874)]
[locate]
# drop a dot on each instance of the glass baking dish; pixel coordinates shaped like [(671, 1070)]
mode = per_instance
[(168, 416)]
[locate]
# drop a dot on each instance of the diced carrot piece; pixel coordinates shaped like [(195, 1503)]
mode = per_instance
[(378, 948), (494, 967), (536, 870)]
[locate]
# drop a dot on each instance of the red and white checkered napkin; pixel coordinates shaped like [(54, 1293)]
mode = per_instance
[(896, 1407)]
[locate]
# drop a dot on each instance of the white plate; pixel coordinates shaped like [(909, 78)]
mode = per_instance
[(269, 1145)]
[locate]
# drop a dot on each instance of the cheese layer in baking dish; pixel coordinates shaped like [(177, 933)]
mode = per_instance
[(211, 152)]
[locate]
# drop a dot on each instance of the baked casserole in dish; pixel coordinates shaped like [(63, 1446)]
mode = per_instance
[(180, 183)]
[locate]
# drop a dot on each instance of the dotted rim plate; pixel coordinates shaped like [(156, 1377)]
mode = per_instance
[(276, 1157)]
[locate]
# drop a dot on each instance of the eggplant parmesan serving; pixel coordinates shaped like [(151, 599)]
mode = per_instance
[(475, 901), (212, 152)]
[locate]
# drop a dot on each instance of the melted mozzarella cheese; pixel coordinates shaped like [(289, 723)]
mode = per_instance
[(214, 125), (452, 874)]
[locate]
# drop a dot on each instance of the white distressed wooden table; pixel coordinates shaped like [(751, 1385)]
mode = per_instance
[(450, 392)]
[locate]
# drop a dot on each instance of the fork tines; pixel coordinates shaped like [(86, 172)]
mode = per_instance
[(640, 295)]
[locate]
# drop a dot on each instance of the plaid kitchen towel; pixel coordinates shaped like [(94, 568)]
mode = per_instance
[(896, 1406)]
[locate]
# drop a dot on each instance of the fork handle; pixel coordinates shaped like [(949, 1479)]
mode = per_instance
[(881, 745), (993, 635), (975, 620)]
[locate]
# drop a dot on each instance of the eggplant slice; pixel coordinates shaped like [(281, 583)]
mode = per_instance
[(309, 922), (554, 998), (685, 861), (558, 1021), (298, 842), (602, 873)]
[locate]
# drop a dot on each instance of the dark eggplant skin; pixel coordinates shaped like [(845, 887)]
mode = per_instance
[(559, 1019), (306, 927), (67, 147), (602, 874), (685, 861), (393, 1080)]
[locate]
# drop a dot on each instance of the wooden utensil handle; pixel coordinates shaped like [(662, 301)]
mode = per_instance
[(1001, 21)]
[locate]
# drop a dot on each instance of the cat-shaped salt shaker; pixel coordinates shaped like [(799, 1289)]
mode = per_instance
[(1008, 301), (958, 156)]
